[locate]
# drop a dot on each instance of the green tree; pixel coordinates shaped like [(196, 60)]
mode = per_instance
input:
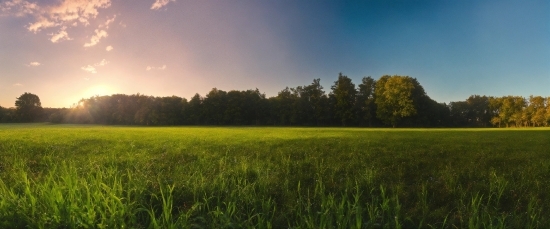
[(479, 113), (538, 110), (28, 107), (214, 106), (283, 107), (344, 93), (194, 112), (313, 96), (394, 99), (511, 109), (495, 104), (366, 107)]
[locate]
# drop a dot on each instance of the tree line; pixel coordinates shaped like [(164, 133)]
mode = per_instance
[(389, 101)]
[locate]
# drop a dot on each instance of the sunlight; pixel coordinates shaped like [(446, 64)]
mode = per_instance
[(98, 90)]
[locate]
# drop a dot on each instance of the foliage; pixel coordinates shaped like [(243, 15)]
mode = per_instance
[(28, 107), (78, 176), (366, 106), (388, 101), (394, 99), (344, 94)]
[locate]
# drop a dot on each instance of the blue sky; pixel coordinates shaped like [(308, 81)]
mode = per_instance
[(65, 50)]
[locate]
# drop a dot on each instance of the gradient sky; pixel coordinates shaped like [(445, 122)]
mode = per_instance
[(65, 50)]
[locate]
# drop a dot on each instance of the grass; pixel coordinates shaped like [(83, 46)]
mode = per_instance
[(79, 176)]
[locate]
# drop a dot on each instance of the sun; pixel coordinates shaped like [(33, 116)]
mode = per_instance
[(98, 90)]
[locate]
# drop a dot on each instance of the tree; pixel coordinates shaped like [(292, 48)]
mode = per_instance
[(510, 110), (283, 107), (28, 107), (194, 112), (495, 104), (344, 93), (313, 95), (394, 99), (479, 113), (365, 100), (537, 109), (472, 112)]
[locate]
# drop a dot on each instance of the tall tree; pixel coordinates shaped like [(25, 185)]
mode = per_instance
[(538, 110), (313, 97), (214, 106), (495, 104), (366, 107), (344, 93), (510, 110), (479, 112), (194, 112), (283, 107), (472, 112), (394, 99), (28, 107)]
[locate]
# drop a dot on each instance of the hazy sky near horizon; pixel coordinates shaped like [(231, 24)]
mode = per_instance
[(65, 50)]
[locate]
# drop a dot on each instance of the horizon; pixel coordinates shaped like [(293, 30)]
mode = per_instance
[(67, 50)]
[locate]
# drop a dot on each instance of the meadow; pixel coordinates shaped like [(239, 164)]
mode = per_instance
[(90, 176)]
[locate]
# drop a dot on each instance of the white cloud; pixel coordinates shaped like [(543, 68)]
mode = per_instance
[(92, 68), (61, 35), (81, 10), (95, 38), (102, 63), (149, 68), (89, 69), (34, 64), (86, 79), (41, 23), (109, 48), (18, 85), (109, 21), (19, 8), (56, 14), (160, 3)]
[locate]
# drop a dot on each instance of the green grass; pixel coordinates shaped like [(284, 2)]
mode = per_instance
[(78, 176)]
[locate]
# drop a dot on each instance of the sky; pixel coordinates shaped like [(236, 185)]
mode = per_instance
[(66, 50)]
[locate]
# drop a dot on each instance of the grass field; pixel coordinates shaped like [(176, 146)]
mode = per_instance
[(77, 176)]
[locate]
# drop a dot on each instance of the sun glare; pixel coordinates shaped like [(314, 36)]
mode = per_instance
[(97, 90)]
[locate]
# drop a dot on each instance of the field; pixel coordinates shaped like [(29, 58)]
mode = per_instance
[(78, 176)]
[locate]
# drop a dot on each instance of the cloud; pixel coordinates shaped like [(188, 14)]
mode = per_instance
[(95, 38), (19, 8), (86, 78), (149, 68), (109, 48), (61, 35), (41, 23), (109, 21), (18, 85), (34, 64), (160, 3), (56, 14), (102, 63), (78, 10), (89, 69)]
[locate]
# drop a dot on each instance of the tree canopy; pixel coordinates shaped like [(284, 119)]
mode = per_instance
[(28, 107), (397, 101)]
